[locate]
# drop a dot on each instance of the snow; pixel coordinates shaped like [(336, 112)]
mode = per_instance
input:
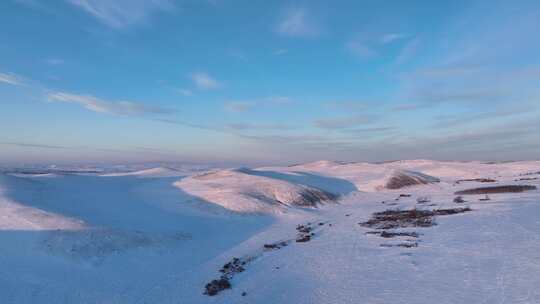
[(159, 239)]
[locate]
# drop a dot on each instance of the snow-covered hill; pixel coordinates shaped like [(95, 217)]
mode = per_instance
[(152, 172), (246, 190), (97, 238)]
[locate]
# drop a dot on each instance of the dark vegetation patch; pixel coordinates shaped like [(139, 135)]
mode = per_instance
[(423, 200), (215, 286), (237, 265), (228, 271), (400, 180), (387, 235), (402, 196), (277, 245), (305, 233), (311, 197), (390, 219), (393, 219), (526, 179), (405, 245), (459, 200), (233, 267), (479, 180), (530, 173), (497, 189)]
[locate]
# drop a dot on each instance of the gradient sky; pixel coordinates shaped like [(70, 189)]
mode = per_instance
[(265, 82)]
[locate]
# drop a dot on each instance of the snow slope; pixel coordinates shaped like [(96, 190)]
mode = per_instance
[(160, 239), (15, 216)]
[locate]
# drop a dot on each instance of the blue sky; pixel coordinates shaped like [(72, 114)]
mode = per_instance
[(264, 82)]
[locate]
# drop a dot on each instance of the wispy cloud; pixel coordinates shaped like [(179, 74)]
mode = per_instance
[(185, 92), (203, 81), (32, 145), (374, 130), (361, 49), (244, 106), (54, 61), (452, 121), (409, 107), (472, 84), (409, 51), (297, 22), (122, 13), (344, 122), (281, 52), (258, 126), (122, 108), (347, 105), (11, 79), (391, 37), (239, 106)]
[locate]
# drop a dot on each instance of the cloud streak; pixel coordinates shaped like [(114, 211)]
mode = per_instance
[(258, 126), (120, 14), (11, 79), (391, 37), (121, 108), (344, 122), (238, 106), (245, 106), (297, 22), (203, 81), (32, 145), (361, 49)]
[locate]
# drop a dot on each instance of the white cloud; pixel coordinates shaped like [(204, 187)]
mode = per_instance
[(361, 49), (297, 22), (122, 108), (391, 37), (185, 92), (11, 78), (239, 106), (203, 81), (122, 13)]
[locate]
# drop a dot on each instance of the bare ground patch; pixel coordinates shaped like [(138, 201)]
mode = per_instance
[(394, 219), (497, 189), (390, 219), (479, 180)]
